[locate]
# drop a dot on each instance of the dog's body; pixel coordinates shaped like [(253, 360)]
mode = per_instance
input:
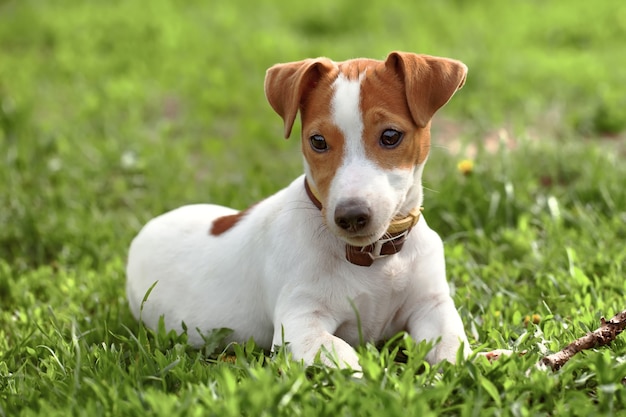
[(284, 270)]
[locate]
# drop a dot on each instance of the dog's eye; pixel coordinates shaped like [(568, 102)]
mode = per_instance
[(390, 138), (318, 143)]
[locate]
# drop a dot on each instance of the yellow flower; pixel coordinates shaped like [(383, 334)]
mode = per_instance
[(466, 166), (535, 319)]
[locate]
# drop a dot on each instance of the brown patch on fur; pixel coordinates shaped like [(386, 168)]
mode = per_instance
[(384, 106), (403, 93), (287, 85), (354, 68), (306, 86), (225, 223), (317, 120), (429, 82)]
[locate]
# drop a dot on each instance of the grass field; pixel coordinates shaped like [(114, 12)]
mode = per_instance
[(113, 112)]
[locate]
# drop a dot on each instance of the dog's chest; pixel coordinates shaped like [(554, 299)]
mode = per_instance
[(371, 320), (376, 306)]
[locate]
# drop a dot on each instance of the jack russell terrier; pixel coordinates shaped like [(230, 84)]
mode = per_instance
[(340, 256)]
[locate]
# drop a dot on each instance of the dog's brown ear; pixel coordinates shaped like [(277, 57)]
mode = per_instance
[(429, 81), (287, 84)]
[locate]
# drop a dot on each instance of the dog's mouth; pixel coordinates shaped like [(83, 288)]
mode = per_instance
[(360, 240), (364, 239)]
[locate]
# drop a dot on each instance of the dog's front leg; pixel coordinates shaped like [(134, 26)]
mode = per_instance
[(310, 333), (438, 321)]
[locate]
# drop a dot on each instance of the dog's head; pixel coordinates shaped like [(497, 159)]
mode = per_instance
[(365, 132)]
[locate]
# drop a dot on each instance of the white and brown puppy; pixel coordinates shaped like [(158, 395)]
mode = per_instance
[(342, 246)]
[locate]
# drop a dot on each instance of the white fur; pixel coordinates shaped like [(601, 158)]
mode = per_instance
[(346, 114), (280, 274)]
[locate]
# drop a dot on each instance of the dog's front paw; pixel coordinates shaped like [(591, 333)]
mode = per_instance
[(448, 351), (326, 349)]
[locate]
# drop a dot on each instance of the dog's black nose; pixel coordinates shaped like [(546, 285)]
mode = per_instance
[(352, 215)]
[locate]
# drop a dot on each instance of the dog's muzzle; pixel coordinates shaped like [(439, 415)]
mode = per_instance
[(390, 244)]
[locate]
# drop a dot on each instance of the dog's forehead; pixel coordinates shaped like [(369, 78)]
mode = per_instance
[(355, 88), (374, 77), (355, 68)]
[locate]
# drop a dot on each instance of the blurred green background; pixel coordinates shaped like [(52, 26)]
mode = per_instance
[(111, 112)]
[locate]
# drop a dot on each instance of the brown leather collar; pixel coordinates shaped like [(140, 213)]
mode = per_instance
[(389, 244)]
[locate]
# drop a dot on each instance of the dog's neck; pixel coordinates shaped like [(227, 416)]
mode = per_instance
[(391, 243)]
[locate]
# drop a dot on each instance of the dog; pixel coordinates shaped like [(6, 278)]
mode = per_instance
[(339, 257)]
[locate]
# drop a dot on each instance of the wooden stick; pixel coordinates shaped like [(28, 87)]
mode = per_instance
[(605, 334)]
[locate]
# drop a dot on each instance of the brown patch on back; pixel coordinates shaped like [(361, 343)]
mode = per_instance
[(225, 223)]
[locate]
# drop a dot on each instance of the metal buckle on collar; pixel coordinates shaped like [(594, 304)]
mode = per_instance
[(377, 247)]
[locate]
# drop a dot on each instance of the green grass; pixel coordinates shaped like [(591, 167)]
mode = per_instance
[(113, 112)]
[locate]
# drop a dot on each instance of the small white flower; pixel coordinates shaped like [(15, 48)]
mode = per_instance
[(128, 159), (55, 164)]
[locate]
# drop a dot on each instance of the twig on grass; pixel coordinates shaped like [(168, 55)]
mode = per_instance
[(605, 334)]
